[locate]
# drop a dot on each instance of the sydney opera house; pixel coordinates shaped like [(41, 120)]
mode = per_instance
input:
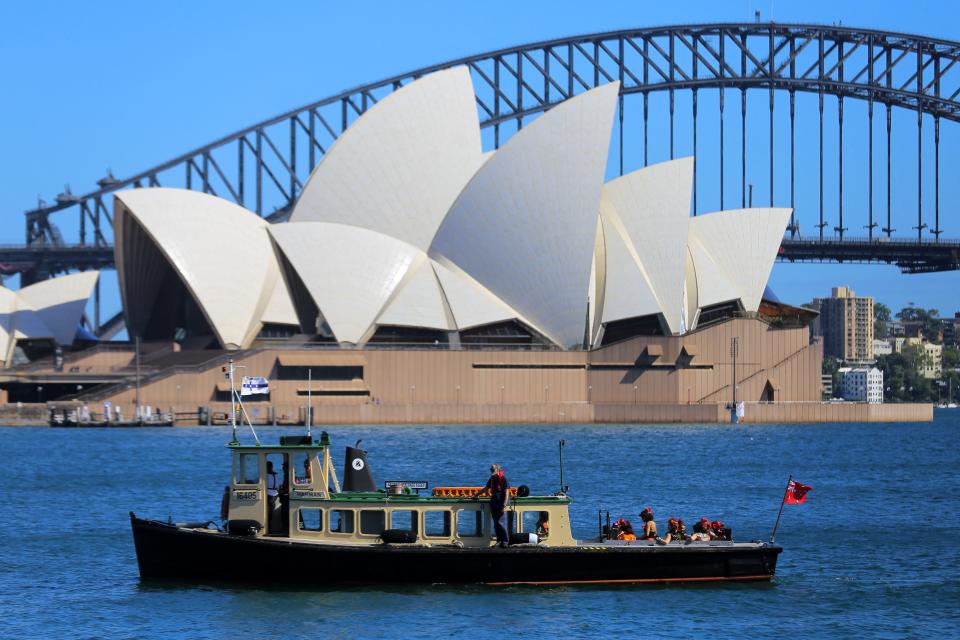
[(420, 279)]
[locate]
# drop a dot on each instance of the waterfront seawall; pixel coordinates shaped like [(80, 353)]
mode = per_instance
[(516, 413)]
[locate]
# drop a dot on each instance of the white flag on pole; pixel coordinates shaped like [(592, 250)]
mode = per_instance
[(252, 385)]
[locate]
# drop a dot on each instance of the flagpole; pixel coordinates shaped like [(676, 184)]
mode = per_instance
[(233, 404), (236, 399), (782, 500)]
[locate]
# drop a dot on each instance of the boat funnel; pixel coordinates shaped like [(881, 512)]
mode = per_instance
[(356, 472)]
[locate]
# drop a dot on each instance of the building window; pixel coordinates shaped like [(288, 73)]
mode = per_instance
[(347, 372)]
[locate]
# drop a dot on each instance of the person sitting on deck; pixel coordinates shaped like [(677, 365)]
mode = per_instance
[(649, 525), (703, 531), (720, 531), (676, 530), (625, 530)]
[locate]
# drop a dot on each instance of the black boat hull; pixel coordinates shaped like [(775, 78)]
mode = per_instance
[(171, 552)]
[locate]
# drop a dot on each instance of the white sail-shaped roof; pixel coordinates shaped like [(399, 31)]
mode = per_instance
[(419, 302), (524, 226), (400, 166), (8, 309), (219, 250), (653, 205), (743, 244), (56, 306), (471, 304), (628, 290), (350, 272), (279, 308), (713, 283), (598, 282)]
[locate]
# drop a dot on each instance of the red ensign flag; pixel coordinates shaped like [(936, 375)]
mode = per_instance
[(796, 493)]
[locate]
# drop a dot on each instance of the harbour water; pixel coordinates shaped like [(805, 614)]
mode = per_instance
[(873, 553)]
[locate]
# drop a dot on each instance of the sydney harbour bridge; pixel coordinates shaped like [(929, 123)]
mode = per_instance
[(698, 81)]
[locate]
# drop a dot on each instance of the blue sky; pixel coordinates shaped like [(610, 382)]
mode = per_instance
[(125, 86)]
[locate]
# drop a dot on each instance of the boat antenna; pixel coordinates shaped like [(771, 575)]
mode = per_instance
[(309, 398), (563, 487)]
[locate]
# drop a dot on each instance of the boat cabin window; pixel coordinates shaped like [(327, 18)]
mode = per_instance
[(341, 521), (470, 523), (537, 522), (311, 520), (302, 474), (436, 524), (405, 519), (372, 521), (248, 468)]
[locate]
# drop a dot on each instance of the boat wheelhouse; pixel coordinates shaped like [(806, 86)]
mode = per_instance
[(315, 508)]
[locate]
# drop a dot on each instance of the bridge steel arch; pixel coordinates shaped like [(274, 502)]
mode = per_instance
[(264, 167)]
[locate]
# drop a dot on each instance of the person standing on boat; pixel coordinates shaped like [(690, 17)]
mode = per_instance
[(499, 488), (273, 499)]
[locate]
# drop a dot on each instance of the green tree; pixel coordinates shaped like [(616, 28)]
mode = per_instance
[(831, 367), (927, 318), (901, 380), (881, 316), (950, 380), (951, 358)]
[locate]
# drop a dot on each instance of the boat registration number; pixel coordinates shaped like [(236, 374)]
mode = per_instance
[(247, 495)]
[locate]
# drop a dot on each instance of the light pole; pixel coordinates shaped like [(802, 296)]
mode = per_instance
[(636, 395), (136, 342), (734, 348)]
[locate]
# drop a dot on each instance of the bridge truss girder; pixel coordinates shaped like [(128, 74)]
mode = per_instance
[(265, 166)]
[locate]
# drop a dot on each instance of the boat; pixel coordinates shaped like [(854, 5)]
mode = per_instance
[(360, 534), (315, 532)]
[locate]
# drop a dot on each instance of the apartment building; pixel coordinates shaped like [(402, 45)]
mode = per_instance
[(846, 324)]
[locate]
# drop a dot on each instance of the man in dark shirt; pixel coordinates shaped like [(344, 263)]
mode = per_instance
[(498, 486)]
